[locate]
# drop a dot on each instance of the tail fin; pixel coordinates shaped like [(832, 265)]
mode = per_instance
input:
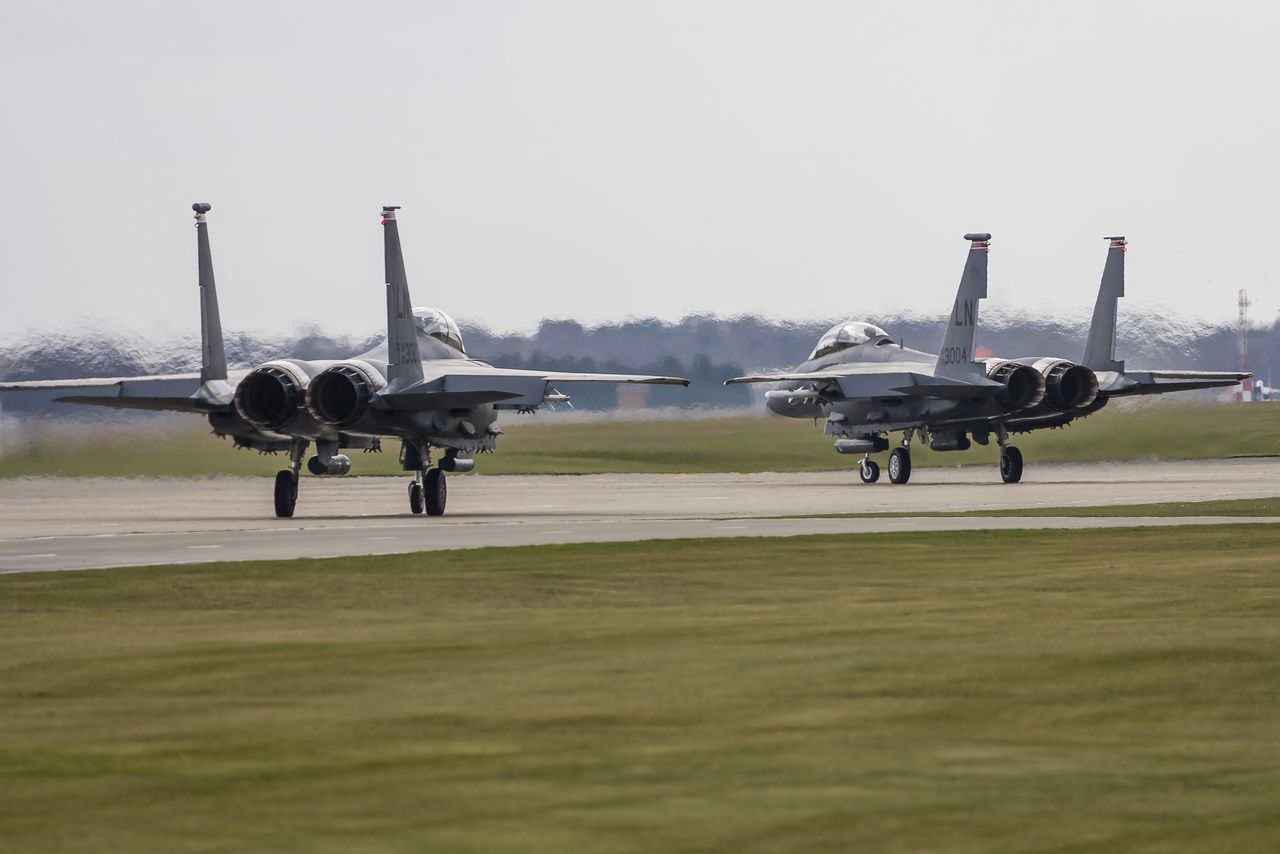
[(1100, 349), (404, 364), (956, 358), (213, 358)]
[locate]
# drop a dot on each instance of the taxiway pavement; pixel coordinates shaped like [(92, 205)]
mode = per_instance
[(82, 523)]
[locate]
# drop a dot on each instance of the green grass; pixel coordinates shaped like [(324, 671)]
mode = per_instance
[(975, 691), (1255, 507), (1173, 431)]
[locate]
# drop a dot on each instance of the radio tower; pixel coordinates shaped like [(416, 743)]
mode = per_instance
[(1242, 343)]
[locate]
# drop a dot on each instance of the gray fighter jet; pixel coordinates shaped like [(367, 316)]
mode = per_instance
[(866, 385), (419, 387)]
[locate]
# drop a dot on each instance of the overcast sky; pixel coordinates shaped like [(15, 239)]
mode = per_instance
[(597, 160)]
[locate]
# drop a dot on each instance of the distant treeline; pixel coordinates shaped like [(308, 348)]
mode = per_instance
[(706, 349)]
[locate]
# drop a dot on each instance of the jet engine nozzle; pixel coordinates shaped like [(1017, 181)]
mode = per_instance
[(270, 397), (339, 396), (1024, 386), (1070, 386), (338, 464)]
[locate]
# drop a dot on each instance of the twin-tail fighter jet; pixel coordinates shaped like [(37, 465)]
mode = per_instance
[(419, 387), (866, 385)]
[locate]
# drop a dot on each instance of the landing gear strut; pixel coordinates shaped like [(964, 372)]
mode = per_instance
[(286, 495), (1010, 459), (869, 469)]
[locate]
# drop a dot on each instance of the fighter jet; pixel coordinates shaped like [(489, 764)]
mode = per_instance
[(866, 385), (419, 387)]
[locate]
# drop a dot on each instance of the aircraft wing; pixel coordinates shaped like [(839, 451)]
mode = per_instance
[(167, 392), (563, 377), (1122, 384), (784, 378), (882, 383)]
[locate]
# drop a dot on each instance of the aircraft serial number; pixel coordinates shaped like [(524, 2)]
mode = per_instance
[(955, 355)]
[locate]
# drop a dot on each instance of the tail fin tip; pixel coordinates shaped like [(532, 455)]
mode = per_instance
[(213, 358), (404, 366)]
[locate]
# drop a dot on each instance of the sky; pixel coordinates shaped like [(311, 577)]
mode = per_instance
[(597, 160)]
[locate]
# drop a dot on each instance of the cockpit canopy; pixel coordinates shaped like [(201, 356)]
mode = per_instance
[(851, 333), (437, 324)]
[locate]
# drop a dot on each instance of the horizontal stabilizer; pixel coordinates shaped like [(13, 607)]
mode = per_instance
[(1166, 382), (171, 393), (97, 382), (1215, 376), (150, 404)]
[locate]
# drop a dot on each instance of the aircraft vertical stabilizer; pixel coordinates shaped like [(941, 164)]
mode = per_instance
[(1100, 349), (213, 359), (404, 364), (956, 358)]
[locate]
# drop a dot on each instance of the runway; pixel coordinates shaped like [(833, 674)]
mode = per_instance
[(61, 524)]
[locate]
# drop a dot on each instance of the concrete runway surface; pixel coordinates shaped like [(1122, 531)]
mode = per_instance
[(58, 524)]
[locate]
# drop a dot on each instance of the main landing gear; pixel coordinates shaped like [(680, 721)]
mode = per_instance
[(286, 495), (428, 492), (1010, 459), (899, 464)]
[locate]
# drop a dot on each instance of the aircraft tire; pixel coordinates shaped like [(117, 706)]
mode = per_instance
[(869, 473), (436, 492), (415, 498), (286, 495), (1011, 465), (899, 466)]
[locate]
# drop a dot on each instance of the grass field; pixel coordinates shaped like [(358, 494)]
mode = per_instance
[(1173, 431), (1220, 507), (977, 691)]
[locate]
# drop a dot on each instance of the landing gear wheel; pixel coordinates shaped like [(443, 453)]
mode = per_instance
[(436, 492), (415, 498), (1011, 465), (900, 465), (286, 493), (869, 471)]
